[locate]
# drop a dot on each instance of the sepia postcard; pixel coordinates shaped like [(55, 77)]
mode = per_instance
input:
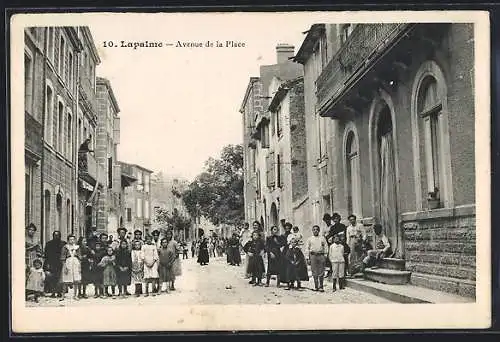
[(250, 171)]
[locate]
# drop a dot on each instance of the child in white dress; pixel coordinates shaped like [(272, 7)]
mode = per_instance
[(151, 259), (36, 280)]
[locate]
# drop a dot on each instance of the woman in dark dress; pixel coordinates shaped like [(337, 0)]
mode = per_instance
[(295, 265), (203, 256), (274, 243), (255, 250), (123, 268)]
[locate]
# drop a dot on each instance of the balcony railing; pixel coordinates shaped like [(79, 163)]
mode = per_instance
[(89, 169), (33, 131), (365, 41)]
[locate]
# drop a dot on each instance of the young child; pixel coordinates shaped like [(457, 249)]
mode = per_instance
[(137, 257), (336, 256), (347, 251), (150, 264), (296, 266), (36, 280), (108, 264), (255, 250), (167, 259), (297, 236), (86, 261), (96, 270), (72, 268), (123, 268)]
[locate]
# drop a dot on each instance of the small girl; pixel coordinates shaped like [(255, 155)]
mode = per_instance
[(96, 270), (85, 260), (167, 259), (36, 280), (123, 268), (336, 256), (150, 265), (137, 256), (297, 236), (255, 250), (72, 271), (296, 265), (108, 263)]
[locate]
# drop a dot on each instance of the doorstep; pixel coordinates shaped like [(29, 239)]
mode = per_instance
[(405, 293)]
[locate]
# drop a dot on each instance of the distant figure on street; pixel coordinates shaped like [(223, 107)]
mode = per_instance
[(203, 257), (233, 252), (193, 249)]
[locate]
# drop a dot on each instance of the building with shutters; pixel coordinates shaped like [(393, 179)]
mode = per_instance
[(137, 198), (260, 172), (390, 138)]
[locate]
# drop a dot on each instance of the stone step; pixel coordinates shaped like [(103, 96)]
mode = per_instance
[(386, 276), (461, 287), (405, 293), (392, 264)]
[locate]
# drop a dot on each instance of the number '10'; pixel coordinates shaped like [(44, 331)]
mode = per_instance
[(109, 44)]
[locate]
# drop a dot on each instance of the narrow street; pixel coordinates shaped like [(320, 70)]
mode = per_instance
[(207, 285)]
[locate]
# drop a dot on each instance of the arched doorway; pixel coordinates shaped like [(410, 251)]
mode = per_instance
[(386, 179)]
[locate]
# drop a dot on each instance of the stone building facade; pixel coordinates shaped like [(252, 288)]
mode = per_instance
[(390, 136), (137, 198), (259, 169)]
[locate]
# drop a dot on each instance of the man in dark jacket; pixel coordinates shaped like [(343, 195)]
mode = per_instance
[(53, 265)]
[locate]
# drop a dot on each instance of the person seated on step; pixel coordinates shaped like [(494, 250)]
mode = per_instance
[(382, 248)]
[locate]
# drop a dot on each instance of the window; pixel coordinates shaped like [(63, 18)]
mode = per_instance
[(129, 214), (429, 108), (279, 175), (146, 209), (270, 169), (139, 180), (62, 61), (146, 183), (59, 134), (28, 82), (110, 172), (80, 132), (139, 207), (265, 135), (69, 141), (257, 185), (353, 187), (85, 133), (49, 113), (59, 212), (50, 43), (278, 122)]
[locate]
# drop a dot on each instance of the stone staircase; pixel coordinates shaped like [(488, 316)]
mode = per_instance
[(390, 271)]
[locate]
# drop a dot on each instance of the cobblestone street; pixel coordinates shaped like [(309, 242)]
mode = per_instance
[(207, 285)]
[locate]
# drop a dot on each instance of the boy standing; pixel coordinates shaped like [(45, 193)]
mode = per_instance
[(336, 256)]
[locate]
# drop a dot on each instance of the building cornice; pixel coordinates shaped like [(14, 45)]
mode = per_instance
[(247, 93), (90, 41), (107, 84), (310, 40), (136, 166)]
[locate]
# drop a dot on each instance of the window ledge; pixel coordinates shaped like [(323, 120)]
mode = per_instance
[(463, 210)]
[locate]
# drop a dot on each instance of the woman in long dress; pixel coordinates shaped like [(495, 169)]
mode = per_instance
[(203, 257), (108, 264), (274, 243), (123, 268), (72, 271), (85, 261), (255, 250)]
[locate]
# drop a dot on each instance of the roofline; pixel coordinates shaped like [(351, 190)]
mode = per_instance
[(137, 166), (73, 35), (88, 36), (105, 82), (247, 92), (304, 52), (282, 91)]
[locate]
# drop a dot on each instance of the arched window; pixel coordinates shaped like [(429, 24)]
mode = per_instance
[(431, 139), (353, 186)]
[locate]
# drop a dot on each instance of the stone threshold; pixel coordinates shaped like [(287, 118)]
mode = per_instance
[(406, 293)]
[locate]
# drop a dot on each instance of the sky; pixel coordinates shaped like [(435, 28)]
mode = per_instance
[(180, 105)]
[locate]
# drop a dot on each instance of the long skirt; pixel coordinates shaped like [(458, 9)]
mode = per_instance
[(72, 271), (256, 266), (86, 272), (176, 267), (166, 273), (203, 257), (151, 272), (317, 265), (123, 277), (274, 265), (137, 276), (234, 255)]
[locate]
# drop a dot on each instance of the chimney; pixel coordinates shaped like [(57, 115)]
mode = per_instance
[(284, 52)]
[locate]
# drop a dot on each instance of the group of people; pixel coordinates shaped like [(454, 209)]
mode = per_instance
[(213, 246), (149, 262), (340, 252)]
